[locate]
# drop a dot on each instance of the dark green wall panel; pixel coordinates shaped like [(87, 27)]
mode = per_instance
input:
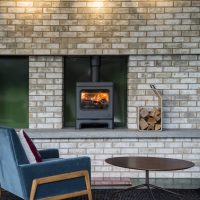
[(14, 87)]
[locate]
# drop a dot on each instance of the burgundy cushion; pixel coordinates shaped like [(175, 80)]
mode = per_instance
[(33, 148)]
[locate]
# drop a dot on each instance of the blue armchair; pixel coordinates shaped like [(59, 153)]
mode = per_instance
[(55, 178)]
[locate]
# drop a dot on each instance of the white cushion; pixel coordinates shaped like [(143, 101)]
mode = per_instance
[(26, 147)]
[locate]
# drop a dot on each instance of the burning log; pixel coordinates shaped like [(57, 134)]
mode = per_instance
[(150, 120)]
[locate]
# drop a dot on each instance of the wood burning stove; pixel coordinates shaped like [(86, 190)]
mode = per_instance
[(94, 100)]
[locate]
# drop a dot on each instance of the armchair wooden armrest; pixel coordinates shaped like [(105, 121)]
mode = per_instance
[(83, 173)]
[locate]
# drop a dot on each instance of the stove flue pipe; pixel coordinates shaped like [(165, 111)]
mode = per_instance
[(95, 64)]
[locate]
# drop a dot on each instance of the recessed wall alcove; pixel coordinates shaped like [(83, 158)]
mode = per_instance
[(112, 69)]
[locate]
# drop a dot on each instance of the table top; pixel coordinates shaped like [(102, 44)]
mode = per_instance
[(150, 163)]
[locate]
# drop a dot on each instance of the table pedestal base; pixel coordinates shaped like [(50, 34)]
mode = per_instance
[(150, 187)]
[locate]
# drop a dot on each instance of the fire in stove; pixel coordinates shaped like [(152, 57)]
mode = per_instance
[(94, 99)]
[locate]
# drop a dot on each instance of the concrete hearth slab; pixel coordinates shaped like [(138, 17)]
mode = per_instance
[(114, 133)]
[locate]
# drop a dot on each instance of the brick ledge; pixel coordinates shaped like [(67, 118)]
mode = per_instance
[(71, 133)]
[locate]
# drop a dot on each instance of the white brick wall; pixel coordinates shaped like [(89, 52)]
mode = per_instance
[(45, 92), (100, 149), (177, 78), (120, 27)]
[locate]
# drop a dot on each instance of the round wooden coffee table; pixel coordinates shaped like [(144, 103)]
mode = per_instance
[(150, 164)]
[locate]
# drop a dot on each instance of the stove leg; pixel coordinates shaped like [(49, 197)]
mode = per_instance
[(78, 124), (110, 124)]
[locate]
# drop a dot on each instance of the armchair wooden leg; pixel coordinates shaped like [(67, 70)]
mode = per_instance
[(88, 186), (61, 177), (1, 191), (33, 189)]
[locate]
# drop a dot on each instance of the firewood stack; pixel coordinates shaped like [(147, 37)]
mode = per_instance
[(150, 120)]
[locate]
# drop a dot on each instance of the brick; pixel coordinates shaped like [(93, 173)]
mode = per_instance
[(164, 16), (147, 4), (191, 33), (195, 51), (33, 10), (119, 46), (164, 4), (174, 10), (25, 4), (15, 10), (147, 16), (41, 28), (191, 9), (182, 15), (77, 4), (129, 4), (156, 10), (120, 10), (155, 34), (155, 45), (164, 150), (172, 21), (147, 28)]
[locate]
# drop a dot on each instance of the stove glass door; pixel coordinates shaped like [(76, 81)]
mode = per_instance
[(94, 99)]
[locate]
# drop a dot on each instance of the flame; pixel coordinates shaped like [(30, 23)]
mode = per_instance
[(95, 96)]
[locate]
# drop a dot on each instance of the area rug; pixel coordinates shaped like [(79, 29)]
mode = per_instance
[(109, 194)]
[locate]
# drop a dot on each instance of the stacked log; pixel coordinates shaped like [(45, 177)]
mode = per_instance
[(150, 119)]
